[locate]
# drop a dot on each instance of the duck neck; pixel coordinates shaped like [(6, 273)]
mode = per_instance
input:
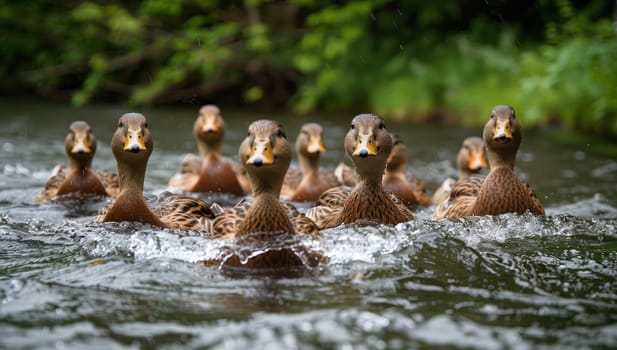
[(371, 178), (463, 173), (309, 164), (395, 169), (265, 198), (501, 159), (131, 177), (208, 150), (366, 186), (269, 184), (80, 164)]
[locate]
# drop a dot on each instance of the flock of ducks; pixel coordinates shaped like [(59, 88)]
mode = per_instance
[(379, 189)]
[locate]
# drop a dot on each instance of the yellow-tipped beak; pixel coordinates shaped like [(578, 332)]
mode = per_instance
[(209, 124), (81, 146), (261, 153), (365, 146), (134, 141), (476, 161), (502, 132), (315, 145)]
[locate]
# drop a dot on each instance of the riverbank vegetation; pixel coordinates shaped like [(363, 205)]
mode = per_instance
[(446, 61)]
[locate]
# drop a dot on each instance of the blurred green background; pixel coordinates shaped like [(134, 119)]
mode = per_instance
[(445, 61)]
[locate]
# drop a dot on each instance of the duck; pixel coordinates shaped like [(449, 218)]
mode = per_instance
[(401, 182), (470, 161), (397, 179), (210, 172), (368, 144), (131, 144), (266, 155), (501, 191), (78, 179), (309, 181)]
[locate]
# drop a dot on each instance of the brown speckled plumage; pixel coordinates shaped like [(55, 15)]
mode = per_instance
[(132, 145), (397, 179), (210, 172), (470, 161), (368, 144), (501, 191), (266, 155), (461, 198), (78, 179)]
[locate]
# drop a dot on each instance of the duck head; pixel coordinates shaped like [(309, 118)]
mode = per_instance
[(471, 157), (502, 136), (80, 144), (309, 142), (266, 154), (309, 146), (209, 127), (368, 144)]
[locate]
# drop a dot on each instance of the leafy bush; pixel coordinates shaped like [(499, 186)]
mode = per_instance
[(414, 60)]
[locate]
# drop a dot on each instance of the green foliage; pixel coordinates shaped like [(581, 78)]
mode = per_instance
[(570, 76), (414, 60)]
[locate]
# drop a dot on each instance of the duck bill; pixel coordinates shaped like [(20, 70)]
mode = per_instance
[(503, 131), (134, 141), (81, 145), (365, 146), (315, 145), (261, 153), (209, 125), (477, 161)]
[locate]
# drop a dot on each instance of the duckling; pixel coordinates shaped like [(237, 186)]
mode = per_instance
[(399, 181), (307, 183), (368, 144), (501, 191), (79, 179), (266, 155), (471, 160), (132, 144), (211, 172)]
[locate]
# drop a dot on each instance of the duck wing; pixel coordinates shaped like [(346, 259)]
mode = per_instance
[(462, 199)]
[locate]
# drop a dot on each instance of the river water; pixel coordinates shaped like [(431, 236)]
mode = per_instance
[(512, 281)]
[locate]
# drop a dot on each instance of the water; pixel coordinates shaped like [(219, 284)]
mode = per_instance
[(512, 281)]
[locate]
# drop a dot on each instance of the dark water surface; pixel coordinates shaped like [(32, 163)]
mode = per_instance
[(513, 281)]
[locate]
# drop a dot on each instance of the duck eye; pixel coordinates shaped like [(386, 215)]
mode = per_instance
[(120, 125), (281, 133), (492, 115), (146, 125), (353, 126), (382, 125)]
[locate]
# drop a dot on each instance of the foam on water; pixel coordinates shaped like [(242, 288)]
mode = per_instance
[(509, 281)]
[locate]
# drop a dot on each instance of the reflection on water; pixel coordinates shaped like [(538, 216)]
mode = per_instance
[(512, 281)]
